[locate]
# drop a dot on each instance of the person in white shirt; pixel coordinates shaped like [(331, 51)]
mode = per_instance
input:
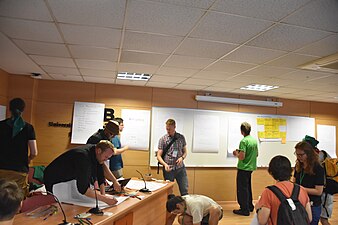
[(193, 210)]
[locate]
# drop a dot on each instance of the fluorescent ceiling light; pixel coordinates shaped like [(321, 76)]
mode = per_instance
[(259, 87), (133, 76), (239, 101)]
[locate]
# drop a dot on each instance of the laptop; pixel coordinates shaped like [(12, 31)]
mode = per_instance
[(122, 182)]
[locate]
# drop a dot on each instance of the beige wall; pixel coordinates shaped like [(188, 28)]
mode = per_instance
[(53, 101)]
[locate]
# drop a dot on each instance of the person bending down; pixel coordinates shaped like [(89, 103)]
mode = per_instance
[(193, 210)]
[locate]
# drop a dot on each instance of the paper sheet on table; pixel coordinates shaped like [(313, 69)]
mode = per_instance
[(138, 184), (67, 192)]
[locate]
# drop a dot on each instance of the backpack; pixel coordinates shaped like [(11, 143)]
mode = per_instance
[(331, 174), (290, 211)]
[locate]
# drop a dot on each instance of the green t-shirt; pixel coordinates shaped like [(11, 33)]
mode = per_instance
[(249, 146)]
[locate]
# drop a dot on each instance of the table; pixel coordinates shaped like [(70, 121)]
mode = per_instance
[(151, 210)]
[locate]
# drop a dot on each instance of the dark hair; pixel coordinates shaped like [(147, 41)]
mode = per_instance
[(170, 122), (119, 120), (280, 168), (312, 158), (10, 199), (16, 106), (246, 128), (172, 201)]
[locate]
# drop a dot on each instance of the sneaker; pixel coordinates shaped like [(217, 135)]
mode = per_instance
[(241, 212)]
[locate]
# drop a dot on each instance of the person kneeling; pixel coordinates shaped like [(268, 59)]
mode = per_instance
[(193, 209)]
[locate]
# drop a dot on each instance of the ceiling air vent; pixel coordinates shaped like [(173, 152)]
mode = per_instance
[(326, 64)]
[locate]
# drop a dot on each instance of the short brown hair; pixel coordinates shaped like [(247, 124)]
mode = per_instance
[(104, 145), (170, 122), (11, 197), (246, 128)]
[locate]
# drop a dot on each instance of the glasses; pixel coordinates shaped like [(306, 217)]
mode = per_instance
[(299, 155)]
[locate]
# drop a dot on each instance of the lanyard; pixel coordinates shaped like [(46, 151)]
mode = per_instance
[(185, 209), (302, 174)]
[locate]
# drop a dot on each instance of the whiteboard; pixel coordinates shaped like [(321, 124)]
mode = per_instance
[(225, 133), (87, 119)]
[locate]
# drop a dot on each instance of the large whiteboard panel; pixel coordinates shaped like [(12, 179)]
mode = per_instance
[(226, 135), (136, 129), (87, 119), (2, 112)]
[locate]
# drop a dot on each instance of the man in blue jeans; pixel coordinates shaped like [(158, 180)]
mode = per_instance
[(172, 160)]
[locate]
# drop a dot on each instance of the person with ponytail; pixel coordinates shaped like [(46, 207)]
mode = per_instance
[(310, 175), (16, 136), (193, 210)]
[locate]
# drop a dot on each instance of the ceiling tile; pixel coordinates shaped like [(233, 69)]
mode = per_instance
[(321, 15), (103, 80), (268, 71), (13, 60), (161, 18), (191, 87), (160, 84), (89, 52), (142, 58), (292, 60), (287, 38), (212, 75), (204, 49), (96, 64), (230, 67), (131, 82), (188, 62), (324, 47), (94, 36), (218, 89), (303, 75), (253, 54), (195, 81), (66, 77), (175, 71), (43, 48), (164, 79), (229, 84), (223, 27), (150, 42), (32, 9), (53, 61), (270, 10), (30, 30), (260, 80), (98, 73), (203, 4), (327, 78), (96, 13), (61, 70), (137, 68)]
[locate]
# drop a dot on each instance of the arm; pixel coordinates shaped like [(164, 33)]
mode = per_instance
[(160, 159), (109, 199), (33, 151), (263, 215), (318, 190), (110, 176), (308, 210), (120, 150), (180, 159)]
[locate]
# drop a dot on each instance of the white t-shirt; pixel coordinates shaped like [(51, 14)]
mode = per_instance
[(198, 206)]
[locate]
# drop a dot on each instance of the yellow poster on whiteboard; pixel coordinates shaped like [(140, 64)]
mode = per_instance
[(271, 128)]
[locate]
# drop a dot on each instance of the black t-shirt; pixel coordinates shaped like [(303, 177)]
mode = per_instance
[(78, 164), (97, 137), (14, 150), (310, 181)]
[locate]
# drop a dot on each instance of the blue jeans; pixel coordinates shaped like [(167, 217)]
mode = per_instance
[(316, 211), (181, 178)]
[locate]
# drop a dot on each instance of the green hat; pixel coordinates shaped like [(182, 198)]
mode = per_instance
[(311, 140)]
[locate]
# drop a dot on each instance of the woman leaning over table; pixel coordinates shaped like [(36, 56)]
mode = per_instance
[(310, 175)]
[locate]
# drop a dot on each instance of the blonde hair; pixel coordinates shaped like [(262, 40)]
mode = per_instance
[(104, 145), (170, 122)]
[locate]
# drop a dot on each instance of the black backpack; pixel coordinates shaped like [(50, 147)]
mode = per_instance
[(290, 211)]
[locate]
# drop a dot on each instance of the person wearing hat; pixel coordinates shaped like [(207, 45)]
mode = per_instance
[(193, 209), (16, 137), (110, 131), (327, 199)]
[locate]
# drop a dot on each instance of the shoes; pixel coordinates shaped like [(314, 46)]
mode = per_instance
[(241, 212)]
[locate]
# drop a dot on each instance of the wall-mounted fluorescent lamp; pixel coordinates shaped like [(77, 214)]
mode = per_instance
[(239, 101)]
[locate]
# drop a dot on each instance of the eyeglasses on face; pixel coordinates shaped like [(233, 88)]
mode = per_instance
[(299, 155)]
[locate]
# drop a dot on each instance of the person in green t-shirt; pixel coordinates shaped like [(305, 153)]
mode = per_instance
[(247, 162)]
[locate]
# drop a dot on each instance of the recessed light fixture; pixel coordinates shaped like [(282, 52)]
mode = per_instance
[(259, 87), (133, 76)]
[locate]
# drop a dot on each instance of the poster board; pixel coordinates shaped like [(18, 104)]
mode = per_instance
[(226, 136)]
